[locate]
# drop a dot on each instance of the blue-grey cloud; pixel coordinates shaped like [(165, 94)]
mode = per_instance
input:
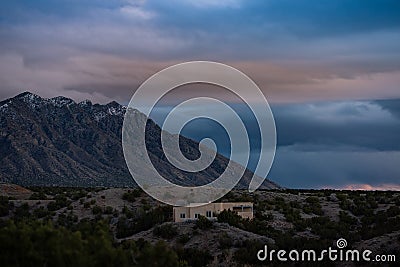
[(391, 105), (330, 144), (335, 169), (234, 29), (362, 124)]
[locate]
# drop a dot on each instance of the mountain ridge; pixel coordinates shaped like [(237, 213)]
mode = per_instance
[(60, 142)]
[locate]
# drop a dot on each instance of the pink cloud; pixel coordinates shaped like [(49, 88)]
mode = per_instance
[(368, 187)]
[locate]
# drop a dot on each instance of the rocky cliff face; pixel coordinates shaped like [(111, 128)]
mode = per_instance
[(58, 142)]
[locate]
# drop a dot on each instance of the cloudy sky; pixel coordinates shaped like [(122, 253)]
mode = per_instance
[(322, 64)]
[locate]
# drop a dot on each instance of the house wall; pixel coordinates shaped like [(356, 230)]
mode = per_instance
[(244, 209)]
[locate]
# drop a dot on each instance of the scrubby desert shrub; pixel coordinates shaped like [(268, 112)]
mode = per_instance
[(108, 210), (131, 195), (195, 257), (22, 212), (41, 212), (124, 228), (183, 239), (4, 206), (247, 254), (230, 217), (97, 210), (158, 255), (38, 196), (225, 241), (203, 223), (166, 231)]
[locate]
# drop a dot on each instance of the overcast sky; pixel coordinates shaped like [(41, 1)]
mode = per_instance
[(295, 50), (321, 63)]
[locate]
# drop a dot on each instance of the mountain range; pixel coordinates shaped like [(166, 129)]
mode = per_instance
[(58, 142)]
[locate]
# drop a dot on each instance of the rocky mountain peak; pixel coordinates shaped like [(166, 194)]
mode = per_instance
[(58, 142), (61, 101), (29, 98), (85, 103), (27, 95)]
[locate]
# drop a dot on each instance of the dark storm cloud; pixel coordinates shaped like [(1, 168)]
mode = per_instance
[(330, 144), (366, 125), (335, 169), (391, 105), (338, 144), (333, 126)]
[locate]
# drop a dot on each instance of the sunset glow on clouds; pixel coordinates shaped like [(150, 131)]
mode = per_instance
[(295, 50), (384, 187)]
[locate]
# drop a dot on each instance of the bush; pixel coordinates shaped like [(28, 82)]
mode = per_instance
[(247, 254), (60, 202), (4, 206), (158, 255), (108, 210), (124, 228), (97, 210), (41, 212), (204, 223), (128, 213), (38, 196), (313, 206), (195, 257), (225, 241), (166, 231), (22, 212), (67, 220), (312, 200), (52, 206), (131, 195), (230, 217), (183, 239), (42, 244), (142, 221)]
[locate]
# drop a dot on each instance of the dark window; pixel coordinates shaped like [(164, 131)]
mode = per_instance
[(237, 209)]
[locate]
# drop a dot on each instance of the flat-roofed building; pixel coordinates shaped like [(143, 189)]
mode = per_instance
[(210, 210)]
